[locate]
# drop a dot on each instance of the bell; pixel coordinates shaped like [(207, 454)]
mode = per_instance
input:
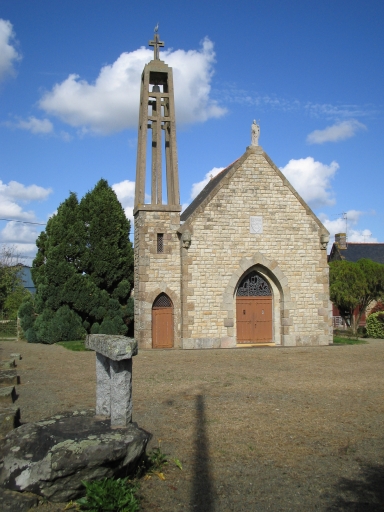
[(156, 88)]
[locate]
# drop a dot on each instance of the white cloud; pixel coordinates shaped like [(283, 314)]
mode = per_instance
[(342, 225), (111, 103), (17, 191), (125, 191), (339, 131), (340, 111), (8, 53), (198, 187), (14, 193), (23, 238), (34, 125), (312, 180), (19, 233)]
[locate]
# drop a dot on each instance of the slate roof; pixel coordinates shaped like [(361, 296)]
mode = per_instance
[(355, 251), (205, 192), (26, 277)]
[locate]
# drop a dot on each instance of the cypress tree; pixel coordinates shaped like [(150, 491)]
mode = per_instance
[(83, 271), (108, 254)]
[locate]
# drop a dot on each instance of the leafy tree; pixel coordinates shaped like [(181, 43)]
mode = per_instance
[(12, 291), (353, 286), (83, 271)]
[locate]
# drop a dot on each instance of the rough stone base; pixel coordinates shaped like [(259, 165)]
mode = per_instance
[(6, 365), (11, 501), (9, 419), (51, 458), (8, 378), (7, 395)]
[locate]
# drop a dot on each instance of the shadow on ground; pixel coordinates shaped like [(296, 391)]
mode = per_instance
[(202, 488), (365, 494)]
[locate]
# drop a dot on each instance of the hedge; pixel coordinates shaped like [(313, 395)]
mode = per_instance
[(375, 325)]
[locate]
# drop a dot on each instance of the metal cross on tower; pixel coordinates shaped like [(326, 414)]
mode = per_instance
[(156, 44)]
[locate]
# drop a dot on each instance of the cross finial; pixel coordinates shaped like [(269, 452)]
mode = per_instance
[(156, 44)]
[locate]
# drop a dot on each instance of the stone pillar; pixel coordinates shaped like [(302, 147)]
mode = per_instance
[(113, 376), (103, 386), (121, 400)]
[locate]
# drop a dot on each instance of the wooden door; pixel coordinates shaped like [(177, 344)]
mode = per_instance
[(162, 322), (254, 319)]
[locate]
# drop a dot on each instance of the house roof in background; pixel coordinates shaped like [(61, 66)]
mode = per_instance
[(26, 277), (355, 251)]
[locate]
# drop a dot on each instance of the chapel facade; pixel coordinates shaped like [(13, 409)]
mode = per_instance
[(244, 264)]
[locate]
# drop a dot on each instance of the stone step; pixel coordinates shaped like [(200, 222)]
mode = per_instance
[(15, 355), (8, 378), (9, 419), (7, 395), (4, 365)]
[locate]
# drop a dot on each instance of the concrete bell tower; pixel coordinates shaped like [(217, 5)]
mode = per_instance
[(157, 246), (157, 114)]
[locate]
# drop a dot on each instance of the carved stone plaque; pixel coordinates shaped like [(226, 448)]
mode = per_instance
[(256, 224)]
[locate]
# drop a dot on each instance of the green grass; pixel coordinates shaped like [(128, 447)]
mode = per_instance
[(338, 340), (76, 346)]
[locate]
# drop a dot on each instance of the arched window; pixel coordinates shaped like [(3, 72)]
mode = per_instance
[(162, 301), (253, 285)]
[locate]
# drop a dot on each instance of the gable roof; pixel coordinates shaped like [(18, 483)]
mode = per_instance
[(355, 251), (206, 191), (216, 183)]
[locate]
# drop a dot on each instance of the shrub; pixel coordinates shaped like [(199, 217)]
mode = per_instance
[(375, 325), (27, 313), (95, 328), (66, 325), (113, 325), (110, 495), (30, 335), (62, 325)]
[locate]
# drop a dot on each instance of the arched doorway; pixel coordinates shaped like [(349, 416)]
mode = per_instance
[(162, 322), (254, 309)]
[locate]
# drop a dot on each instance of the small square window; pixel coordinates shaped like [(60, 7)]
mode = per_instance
[(160, 242)]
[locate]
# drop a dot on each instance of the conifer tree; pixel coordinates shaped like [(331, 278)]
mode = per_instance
[(83, 271)]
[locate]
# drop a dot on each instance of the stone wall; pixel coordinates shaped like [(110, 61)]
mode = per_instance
[(155, 273), (287, 252)]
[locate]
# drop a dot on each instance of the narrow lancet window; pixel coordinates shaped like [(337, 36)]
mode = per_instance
[(160, 242)]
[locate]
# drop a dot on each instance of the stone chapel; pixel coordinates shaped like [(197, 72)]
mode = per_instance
[(244, 264)]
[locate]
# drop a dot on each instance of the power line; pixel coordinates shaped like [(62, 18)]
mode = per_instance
[(26, 222)]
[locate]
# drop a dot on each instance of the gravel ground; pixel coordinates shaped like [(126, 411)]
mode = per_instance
[(266, 429)]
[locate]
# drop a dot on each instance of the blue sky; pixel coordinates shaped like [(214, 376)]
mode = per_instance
[(311, 73)]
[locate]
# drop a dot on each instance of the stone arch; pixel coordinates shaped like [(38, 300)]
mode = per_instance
[(282, 307), (150, 299)]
